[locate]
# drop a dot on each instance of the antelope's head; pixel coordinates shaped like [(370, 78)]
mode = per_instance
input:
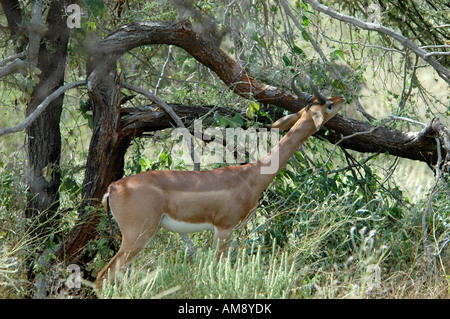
[(318, 107)]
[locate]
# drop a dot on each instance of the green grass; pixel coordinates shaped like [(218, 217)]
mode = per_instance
[(177, 275)]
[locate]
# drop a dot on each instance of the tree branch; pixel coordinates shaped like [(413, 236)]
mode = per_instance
[(40, 108), (441, 70), (20, 55), (15, 66), (336, 73), (149, 118), (13, 13), (169, 111), (157, 100), (35, 31), (181, 34)]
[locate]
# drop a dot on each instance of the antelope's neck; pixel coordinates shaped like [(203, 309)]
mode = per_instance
[(270, 165)]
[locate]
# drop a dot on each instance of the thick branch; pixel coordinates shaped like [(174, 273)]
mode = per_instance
[(442, 71), (13, 13), (349, 133), (180, 33), (157, 100), (136, 121), (20, 55), (35, 31), (379, 139)]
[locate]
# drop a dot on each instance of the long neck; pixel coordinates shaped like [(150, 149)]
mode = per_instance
[(270, 165)]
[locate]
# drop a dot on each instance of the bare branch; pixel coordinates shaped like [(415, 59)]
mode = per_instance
[(441, 70), (40, 108), (336, 73), (138, 120), (169, 111), (437, 53), (163, 71), (436, 46), (157, 100), (20, 55), (16, 66)]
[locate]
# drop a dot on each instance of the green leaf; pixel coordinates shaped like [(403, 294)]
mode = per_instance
[(255, 37), (265, 114), (337, 53), (305, 35), (253, 108), (305, 21), (286, 60), (300, 52), (69, 185), (233, 122)]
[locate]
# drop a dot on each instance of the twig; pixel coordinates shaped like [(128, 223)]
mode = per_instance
[(163, 71), (40, 108), (401, 118), (436, 53), (430, 199), (442, 71), (445, 46), (406, 96), (357, 164), (336, 73)]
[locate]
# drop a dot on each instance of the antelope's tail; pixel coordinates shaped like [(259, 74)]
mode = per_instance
[(105, 202)]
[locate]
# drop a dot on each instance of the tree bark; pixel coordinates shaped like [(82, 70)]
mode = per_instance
[(107, 150), (136, 121), (13, 13), (44, 138), (368, 138)]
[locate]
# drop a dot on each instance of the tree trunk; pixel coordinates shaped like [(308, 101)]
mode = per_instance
[(107, 150), (44, 138), (13, 13)]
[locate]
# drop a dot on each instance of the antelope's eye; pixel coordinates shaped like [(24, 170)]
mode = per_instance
[(330, 106)]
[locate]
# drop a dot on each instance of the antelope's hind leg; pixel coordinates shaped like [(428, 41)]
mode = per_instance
[(135, 236), (222, 239)]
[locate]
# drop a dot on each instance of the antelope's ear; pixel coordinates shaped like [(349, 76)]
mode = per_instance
[(286, 122), (318, 120)]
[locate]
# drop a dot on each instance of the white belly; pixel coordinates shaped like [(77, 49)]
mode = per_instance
[(183, 227)]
